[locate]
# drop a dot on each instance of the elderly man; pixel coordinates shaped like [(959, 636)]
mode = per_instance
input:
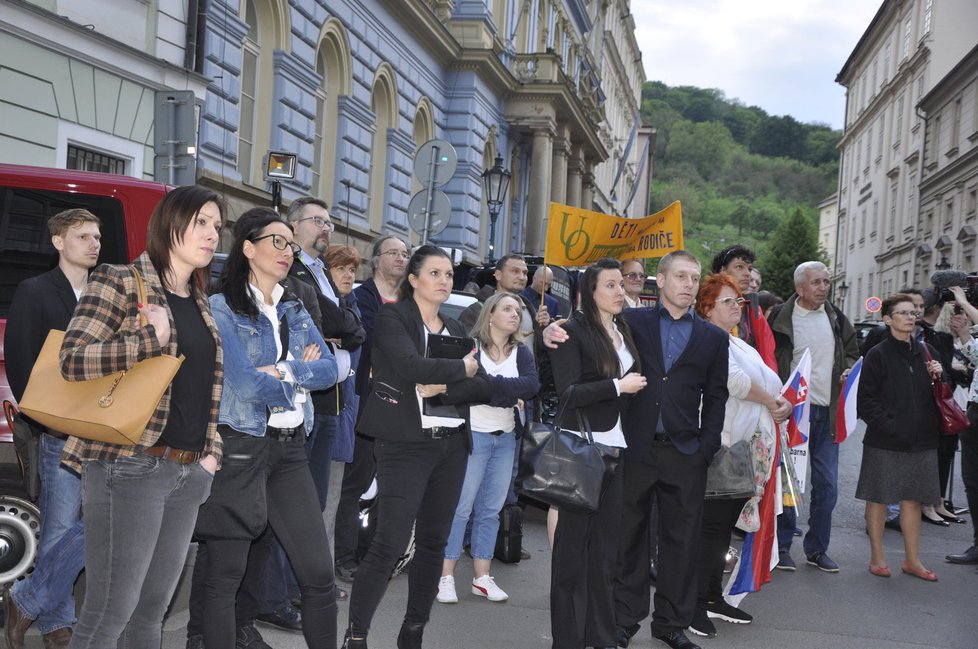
[(545, 306), (808, 321)]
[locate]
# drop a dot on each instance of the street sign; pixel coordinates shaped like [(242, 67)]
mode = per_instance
[(438, 218), (435, 162)]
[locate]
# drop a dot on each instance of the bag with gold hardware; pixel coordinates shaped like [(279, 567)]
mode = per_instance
[(113, 409)]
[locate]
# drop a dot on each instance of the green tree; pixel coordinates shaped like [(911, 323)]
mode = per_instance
[(794, 241), (708, 146)]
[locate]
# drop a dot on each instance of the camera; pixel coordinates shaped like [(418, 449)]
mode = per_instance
[(944, 280)]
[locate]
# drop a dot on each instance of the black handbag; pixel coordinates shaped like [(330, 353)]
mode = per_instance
[(563, 469), (731, 473)]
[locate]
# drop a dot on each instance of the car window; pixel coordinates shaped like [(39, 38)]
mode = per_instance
[(25, 243)]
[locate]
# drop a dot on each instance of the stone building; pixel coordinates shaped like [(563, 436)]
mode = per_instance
[(883, 244), (352, 87)]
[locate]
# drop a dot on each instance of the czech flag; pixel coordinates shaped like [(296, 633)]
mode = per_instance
[(796, 393), (845, 414)]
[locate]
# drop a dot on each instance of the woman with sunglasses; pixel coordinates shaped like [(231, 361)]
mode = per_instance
[(753, 406), (274, 355)]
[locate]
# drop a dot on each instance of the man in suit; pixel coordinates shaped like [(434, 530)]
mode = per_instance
[(40, 304), (309, 216), (671, 442)]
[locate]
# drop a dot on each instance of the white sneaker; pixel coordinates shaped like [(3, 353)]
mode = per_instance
[(446, 590), (485, 586)]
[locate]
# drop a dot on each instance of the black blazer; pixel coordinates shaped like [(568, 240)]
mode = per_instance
[(700, 373), (40, 304), (399, 365), (575, 363)]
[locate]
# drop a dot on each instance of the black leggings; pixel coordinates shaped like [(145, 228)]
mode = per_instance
[(418, 483), (295, 518)]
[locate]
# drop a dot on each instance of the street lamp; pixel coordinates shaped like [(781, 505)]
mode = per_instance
[(943, 264), (495, 183), (843, 288)]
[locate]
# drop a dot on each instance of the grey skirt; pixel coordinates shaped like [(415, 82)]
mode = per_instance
[(891, 476)]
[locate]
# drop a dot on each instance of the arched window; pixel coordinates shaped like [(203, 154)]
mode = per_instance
[(333, 65), (424, 130), (266, 21), (383, 102)]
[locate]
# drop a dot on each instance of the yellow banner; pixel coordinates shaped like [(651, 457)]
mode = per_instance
[(579, 237)]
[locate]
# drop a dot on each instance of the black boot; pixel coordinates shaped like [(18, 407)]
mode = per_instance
[(410, 635), (354, 643)]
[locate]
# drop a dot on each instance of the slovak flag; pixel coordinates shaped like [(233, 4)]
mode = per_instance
[(845, 415), (796, 393)]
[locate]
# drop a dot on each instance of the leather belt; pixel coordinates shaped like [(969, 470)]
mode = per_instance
[(661, 437), (284, 434), (180, 456), (440, 432)]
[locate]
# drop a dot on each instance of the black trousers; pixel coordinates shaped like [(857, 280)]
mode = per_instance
[(969, 465), (678, 482), (947, 446), (356, 480), (719, 518), (582, 573), (295, 518), (246, 605), (418, 483)]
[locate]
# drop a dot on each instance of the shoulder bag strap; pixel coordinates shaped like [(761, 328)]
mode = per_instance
[(140, 294)]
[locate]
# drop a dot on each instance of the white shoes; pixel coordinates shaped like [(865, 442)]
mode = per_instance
[(485, 586), (446, 590)]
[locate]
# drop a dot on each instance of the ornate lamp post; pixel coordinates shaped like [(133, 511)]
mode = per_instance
[(495, 183), (943, 264)]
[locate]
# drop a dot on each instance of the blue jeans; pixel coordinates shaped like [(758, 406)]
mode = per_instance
[(46, 595), (487, 477), (140, 512), (823, 479), (279, 583)]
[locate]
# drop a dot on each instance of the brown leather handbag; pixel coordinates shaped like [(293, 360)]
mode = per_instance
[(113, 409)]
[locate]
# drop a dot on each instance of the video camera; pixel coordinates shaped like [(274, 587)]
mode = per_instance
[(943, 280)]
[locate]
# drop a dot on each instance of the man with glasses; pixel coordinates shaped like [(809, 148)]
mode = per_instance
[(808, 320), (312, 225), (633, 270)]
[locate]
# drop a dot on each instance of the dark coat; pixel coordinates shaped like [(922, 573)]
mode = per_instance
[(40, 304), (369, 301), (399, 366), (700, 373), (336, 322), (895, 398), (575, 363)]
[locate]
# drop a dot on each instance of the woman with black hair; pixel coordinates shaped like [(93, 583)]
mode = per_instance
[(600, 361), (421, 459), (274, 356)]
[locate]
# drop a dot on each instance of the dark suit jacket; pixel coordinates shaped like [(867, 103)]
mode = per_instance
[(699, 373), (575, 363), (40, 304), (399, 365), (368, 299), (336, 322)]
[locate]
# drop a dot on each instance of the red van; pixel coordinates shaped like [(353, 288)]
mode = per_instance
[(30, 195)]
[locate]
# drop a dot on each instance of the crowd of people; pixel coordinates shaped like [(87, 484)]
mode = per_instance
[(297, 391)]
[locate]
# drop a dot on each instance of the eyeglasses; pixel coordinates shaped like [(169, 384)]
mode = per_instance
[(914, 314), (732, 301), (280, 242), (395, 254), (634, 276), (321, 223)]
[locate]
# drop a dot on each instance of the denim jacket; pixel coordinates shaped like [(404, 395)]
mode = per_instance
[(249, 344)]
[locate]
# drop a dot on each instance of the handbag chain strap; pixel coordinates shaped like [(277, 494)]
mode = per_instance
[(106, 399)]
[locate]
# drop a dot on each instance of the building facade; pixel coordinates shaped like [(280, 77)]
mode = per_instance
[(949, 163), (353, 88), (883, 243)]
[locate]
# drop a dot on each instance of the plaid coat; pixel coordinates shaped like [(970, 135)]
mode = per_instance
[(104, 337)]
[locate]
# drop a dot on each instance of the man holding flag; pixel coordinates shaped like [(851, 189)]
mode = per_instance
[(808, 321)]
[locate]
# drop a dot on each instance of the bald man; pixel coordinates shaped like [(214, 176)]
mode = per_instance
[(543, 278)]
